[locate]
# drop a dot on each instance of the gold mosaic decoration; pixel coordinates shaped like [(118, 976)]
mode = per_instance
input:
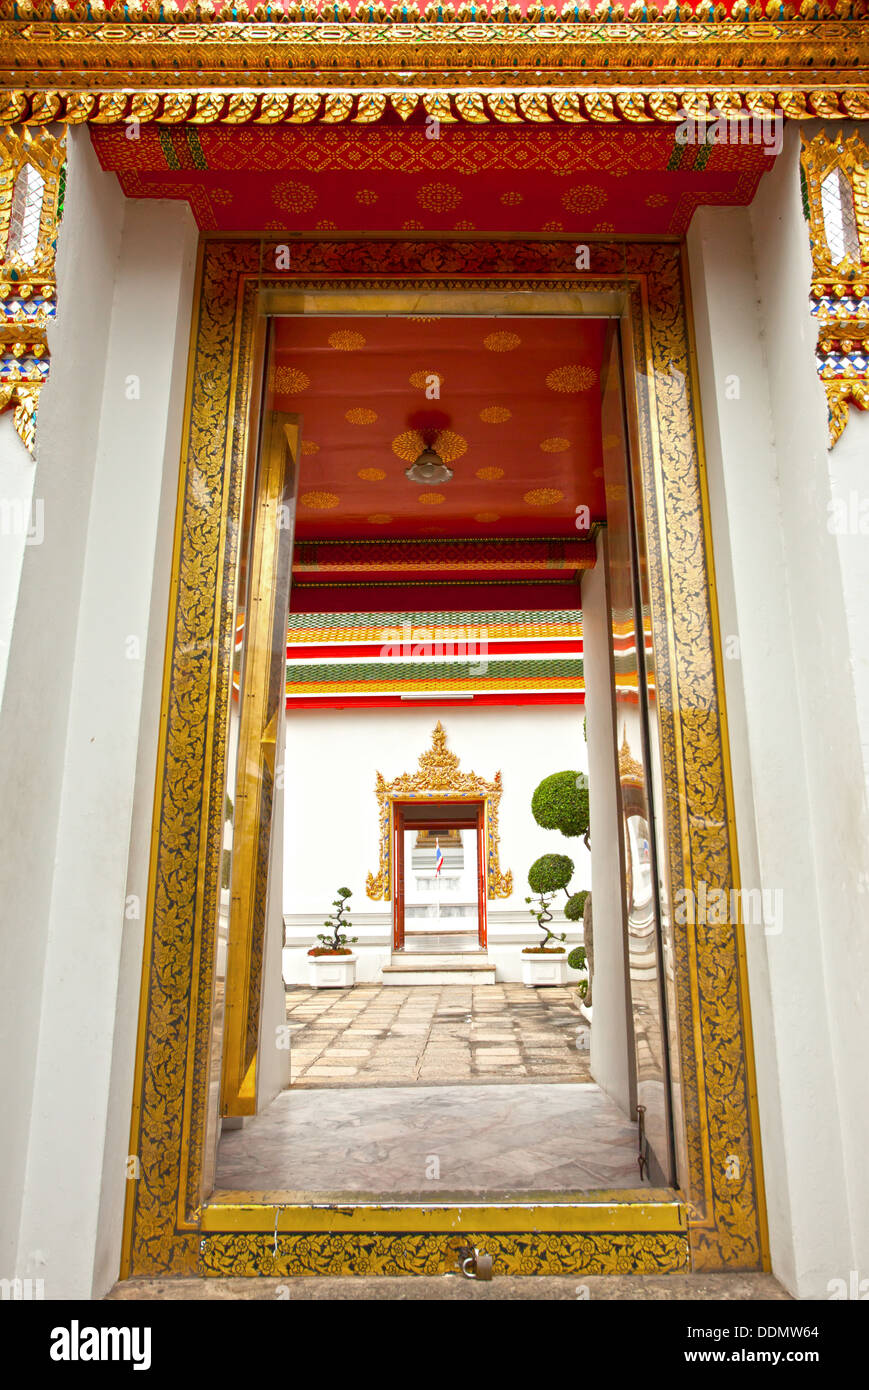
[(310, 447), (836, 180), (439, 776), (167, 1228), (555, 445), (571, 379), (371, 475), (487, 516), (275, 59), (28, 287), (431, 499), (495, 415), (491, 474), (361, 415)]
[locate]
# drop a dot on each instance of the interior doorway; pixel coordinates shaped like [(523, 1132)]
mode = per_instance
[(440, 900)]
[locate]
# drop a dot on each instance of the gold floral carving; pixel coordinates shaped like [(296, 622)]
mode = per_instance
[(438, 776), (840, 287), (726, 1224), (596, 1252), (540, 64), (630, 771), (25, 285)]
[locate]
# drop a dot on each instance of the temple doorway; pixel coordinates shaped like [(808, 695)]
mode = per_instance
[(416, 589)]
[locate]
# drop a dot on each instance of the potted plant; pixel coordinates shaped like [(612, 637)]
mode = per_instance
[(332, 965), (546, 964)]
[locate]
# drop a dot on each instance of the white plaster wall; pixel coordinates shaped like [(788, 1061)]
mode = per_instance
[(331, 825), (96, 590), (792, 704), (34, 712)]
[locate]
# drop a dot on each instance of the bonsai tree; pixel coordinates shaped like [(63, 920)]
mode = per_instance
[(334, 941), (560, 802), (547, 877)]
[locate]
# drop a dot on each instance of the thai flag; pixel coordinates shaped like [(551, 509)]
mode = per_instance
[(439, 858)]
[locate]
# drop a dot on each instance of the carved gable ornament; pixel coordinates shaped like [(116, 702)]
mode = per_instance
[(438, 779)]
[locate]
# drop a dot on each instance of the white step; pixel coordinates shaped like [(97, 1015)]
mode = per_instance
[(439, 968)]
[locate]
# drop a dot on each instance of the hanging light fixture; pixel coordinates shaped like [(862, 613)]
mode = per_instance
[(429, 467)]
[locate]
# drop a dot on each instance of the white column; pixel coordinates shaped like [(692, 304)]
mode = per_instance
[(110, 435), (792, 706), (613, 1064)]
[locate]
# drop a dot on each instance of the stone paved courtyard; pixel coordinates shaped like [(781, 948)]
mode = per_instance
[(377, 1035)]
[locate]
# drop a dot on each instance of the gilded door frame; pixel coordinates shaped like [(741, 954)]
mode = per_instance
[(717, 1218)]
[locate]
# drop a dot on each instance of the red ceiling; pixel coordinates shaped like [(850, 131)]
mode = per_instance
[(392, 177), (518, 420)]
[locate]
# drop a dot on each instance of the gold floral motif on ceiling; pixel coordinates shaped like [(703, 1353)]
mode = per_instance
[(571, 378)]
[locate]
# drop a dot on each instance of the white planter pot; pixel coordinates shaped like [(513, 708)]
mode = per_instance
[(331, 972), (549, 968)]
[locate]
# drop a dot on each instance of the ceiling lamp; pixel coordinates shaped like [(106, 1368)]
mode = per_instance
[(429, 468)]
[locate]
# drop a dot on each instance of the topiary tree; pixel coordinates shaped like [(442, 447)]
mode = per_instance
[(578, 960), (547, 876), (560, 802)]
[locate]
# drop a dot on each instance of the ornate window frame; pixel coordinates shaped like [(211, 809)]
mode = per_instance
[(840, 289), (28, 288)]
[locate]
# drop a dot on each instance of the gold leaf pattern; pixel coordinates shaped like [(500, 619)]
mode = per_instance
[(448, 444), (438, 197), (587, 197), (346, 340), (293, 196), (543, 496), (320, 501), (502, 342), (571, 379)]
